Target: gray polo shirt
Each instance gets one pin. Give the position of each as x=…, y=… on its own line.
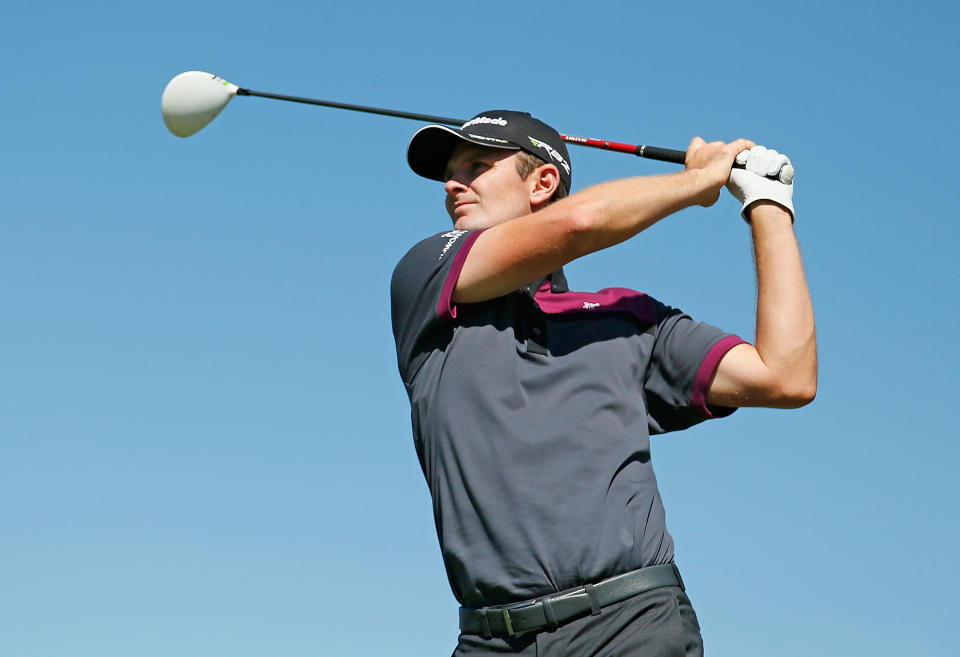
x=532, y=415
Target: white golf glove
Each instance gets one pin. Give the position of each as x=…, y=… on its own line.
x=751, y=184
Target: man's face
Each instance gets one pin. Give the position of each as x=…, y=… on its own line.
x=483, y=187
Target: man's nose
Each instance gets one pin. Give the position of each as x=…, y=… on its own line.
x=454, y=185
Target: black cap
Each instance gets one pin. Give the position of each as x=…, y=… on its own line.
x=431, y=146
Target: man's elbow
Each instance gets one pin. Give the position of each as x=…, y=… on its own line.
x=582, y=222
x=795, y=393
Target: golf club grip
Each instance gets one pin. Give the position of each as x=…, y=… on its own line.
x=662, y=154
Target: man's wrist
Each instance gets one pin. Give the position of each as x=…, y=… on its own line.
x=697, y=188
x=768, y=213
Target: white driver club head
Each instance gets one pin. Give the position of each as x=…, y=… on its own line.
x=193, y=99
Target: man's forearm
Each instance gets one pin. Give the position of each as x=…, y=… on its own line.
x=786, y=334
x=612, y=212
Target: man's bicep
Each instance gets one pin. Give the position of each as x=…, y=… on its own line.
x=742, y=379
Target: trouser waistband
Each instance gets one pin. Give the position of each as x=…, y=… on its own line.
x=552, y=610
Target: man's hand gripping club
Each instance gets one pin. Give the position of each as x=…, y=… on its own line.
x=767, y=175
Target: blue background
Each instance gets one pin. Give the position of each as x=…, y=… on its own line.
x=204, y=443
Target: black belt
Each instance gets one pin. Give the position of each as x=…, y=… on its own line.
x=550, y=611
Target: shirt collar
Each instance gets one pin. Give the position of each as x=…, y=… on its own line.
x=558, y=284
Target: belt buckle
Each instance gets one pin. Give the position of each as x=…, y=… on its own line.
x=508, y=623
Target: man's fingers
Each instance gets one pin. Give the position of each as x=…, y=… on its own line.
x=775, y=161
x=756, y=160
x=766, y=162
x=695, y=144
x=741, y=145
x=786, y=174
x=734, y=147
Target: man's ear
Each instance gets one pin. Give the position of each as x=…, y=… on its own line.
x=544, y=181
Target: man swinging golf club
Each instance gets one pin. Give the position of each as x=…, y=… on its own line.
x=532, y=405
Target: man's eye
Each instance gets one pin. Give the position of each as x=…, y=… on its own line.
x=475, y=168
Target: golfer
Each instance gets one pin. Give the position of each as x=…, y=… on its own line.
x=532, y=405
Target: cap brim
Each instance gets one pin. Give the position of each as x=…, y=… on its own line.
x=431, y=146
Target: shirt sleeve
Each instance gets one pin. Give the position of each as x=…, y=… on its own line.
x=420, y=296
x=685, y=356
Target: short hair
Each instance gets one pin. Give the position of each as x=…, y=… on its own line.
x=527, y=162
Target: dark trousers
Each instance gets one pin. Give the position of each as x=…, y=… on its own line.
x=658, y=623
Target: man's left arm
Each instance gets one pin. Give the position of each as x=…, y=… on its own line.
x=780, y=371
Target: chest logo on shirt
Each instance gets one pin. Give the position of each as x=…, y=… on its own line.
x=588, y=305
x=454, y=235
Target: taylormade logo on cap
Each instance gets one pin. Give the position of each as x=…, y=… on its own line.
x=484, y=119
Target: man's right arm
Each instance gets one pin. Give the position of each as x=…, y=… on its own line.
x=511, y=254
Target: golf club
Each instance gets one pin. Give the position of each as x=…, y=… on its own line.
x=193, y=99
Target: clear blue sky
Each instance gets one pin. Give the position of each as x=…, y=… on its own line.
x=204, y=443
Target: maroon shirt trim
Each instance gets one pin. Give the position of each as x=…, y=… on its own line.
x=445, y=307
x=608, y=299
x=702, y=382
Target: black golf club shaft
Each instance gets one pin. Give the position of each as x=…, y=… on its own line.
x=649, y=152
x=357, y=108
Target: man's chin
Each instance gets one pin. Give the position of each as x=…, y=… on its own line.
x=468, y=223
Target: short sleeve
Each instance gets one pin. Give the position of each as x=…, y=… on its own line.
x=685, y=356
x=420, y=294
